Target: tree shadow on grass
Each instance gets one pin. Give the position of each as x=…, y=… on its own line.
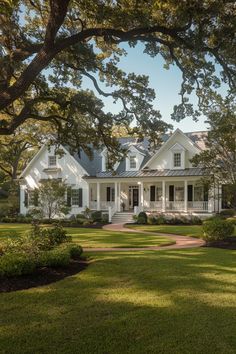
x=175, y=301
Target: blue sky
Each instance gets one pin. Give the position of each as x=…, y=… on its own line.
x=166, y=84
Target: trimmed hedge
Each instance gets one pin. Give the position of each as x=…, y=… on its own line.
x=142, y=218
x=16, y=265
x=19, y=264
x=217, y=229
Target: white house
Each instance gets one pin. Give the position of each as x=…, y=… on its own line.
x=161, y=181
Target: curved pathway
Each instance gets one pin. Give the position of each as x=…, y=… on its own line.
x=180, y=241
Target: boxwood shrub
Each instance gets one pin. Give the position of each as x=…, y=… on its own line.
x=142, y=218
x=217, y=229
x=16, y=264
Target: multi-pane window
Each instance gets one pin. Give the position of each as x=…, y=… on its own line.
x=133, y=161
x=52, y=160
x=177, y=159
x=75, y=197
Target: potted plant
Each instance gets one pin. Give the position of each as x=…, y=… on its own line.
x=123, y=206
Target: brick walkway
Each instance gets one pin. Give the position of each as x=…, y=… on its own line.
x=180, y=241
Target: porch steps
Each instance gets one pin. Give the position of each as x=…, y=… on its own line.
x=122, y=218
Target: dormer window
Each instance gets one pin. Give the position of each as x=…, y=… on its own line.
x=177, y=159
x=52, y=161
x=132, y=161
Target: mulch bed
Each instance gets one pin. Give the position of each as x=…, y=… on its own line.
x=42, y=276
x=229, y=243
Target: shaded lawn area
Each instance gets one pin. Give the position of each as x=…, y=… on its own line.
x=175, y=301
x=90, y=237
x=185, y=230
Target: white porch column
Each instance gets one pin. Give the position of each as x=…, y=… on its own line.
x=163, y=196
x=116, y=196
x=185, y=196
x=98, y=196
x=141, y=196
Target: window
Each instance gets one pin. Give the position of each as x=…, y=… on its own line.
x=110, y=194
x=177, y=159
x=179, y=194
x=76, y=197
x=52, y=160
x=132, y=162
x=33, y=198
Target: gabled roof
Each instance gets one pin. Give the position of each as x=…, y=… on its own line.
x=171, y=137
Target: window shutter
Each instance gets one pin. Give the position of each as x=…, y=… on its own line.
x=152, y=193
x=68, y=196
x=190, y=193
x=26, y=199
x=171, y=193
x=205, y=194
x=36, y=198
x=108, y=194
x=80, y=197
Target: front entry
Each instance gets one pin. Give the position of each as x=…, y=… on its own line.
x=133, y=196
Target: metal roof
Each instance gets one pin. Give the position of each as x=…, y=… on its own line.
x=153, y=173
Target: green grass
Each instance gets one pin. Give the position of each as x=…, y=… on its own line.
x=175, y=301
x=88, y=237
x=185, y=230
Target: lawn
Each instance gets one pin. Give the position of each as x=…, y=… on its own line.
x=185, y=230
x=175, y=301
x=88, y=237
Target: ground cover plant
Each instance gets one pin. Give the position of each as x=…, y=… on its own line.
x=170, y=301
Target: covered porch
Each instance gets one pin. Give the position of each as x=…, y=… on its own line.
x=166, y=195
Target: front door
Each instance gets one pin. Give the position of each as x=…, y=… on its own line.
x=135, y=197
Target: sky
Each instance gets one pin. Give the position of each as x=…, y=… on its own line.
x=166, y=84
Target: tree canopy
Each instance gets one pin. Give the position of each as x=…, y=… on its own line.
x=220, y=156
x=49, y=47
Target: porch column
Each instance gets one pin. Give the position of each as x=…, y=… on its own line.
x=163, y=196
x=98, y=196
x=185, y=196
x=116, y=196
x=141, y=195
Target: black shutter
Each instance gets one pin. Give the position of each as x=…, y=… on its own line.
x=80, y=197
x=171, y=193
x=152, y=193
x=108, y=194
x=68, y=196
x=26, y=199
x=205, y=193
x=36, y=198
x=190, y=193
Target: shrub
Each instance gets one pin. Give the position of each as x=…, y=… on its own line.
x=228, y=212
x=75, y=250
x=57, y=257
x=96, y=216
x=105, y=218
x=142, y=218
x=87, y=222
x=217, y=229
x=50, y=236
x=152, y=220
x=16, y=264
x=195, y=220
x=80, y=216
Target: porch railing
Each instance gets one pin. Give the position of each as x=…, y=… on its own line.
x=198, y=206
x=103, y=205
x=153, y=205
x=176, y=206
